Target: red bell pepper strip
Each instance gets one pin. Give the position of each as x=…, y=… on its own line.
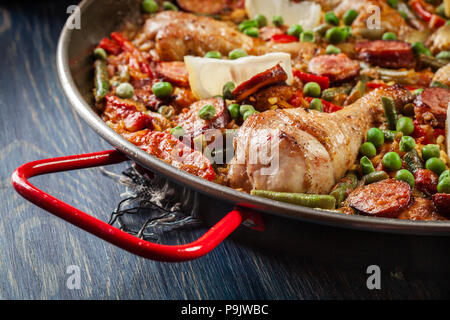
x=419, y=134
x=297, y=99
x=137, y=61
x=328, y=107
x=434, y=20
x=110, y=46
x=322, y=81
x=375, y=85
x=283, y=38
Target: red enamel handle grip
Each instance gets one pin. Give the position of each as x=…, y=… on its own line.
x=211, y=239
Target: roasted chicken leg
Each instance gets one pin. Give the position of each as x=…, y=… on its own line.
x=302, y=150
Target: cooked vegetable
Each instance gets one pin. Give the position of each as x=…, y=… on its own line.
x=237, y=53
x=375, y=136
x=389, y=36
x=234, y=111
x=350, y=16
x=413, y=161
x=375, y=177
x=332, y=49
x=125, y=90
x=305, y=200
x=149, y=6
x=389, y=135
x=248, y=114
x=392, y=161
x=248, y=24
x=407, y=143
x=252, y=32
x=430, y=151
x=347, y=184
x=316, y=104
x=167, y=5
x=101, y=80
x=177, y=131
x=436, y=165
x=100, y=53
x=312, y=89
x=390, y=112
x=227, y=90
x=213, y=55
x=405, y=175
x=434, y=63
x=443, y=175
x=166, y=111
x=444, y=185
x=262, y=20
x=277, y=21
x=246, y=108
x=207, y=112
x=331, y=18
x=336, y=35
x=162, y=89
x=368, y=149
x=307, y=36
x=295, y=30
x=405, y=125
x=366, y=165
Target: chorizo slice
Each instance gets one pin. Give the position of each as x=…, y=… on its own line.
x=193, y=125
x=386, y=53
x=203, y=6
x=442, y=203
x=266, y=78
x=426, y=181
x=431, y=106
x=337, y=67
x=421, y=210
x=386, y=198
x=174, y=72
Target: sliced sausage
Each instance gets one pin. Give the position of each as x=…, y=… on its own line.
x=426, y=181
x=442, y=203
x=421, y=210
x=386, y=198
x=126, y=114
x=266, y=78
x=431, y=106
x=203, y=6
x=193, y=125
x=337, y=67
x=174, y=72
x=386, y=53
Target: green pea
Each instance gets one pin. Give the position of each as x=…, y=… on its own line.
x=252, y=32
x=389, y=36
x=436, y=165
x=227, y=90
x=405, y=125
x=167, y=5
x=312, y=89
x=162, y=89
x=350, y=16
x=407, y=143
x=444, y=185
x=233, y=109
x=405, y=175
x=213, y=55
x=366, y=165
x=248, y=114
x=166, y=111
x=336, y=35
x=368, y=149
x=418, y=91
x=443, y=55
x=100, y=53
x=125, y=90
x=295, y=30
x=277, y=21
x=445, y=174
x=149, y=6
x=237, y=53
x=375, y=136
x=262, y=20
x=316, y=104
x=419, y=48
x=307, y=36
x=332, y=49
x=391, y=161
x=430, y=151
x=331, y=18
x=248, y=24
x=207, y=112
x=245, y=108
x=393, y=3
x=177, y=131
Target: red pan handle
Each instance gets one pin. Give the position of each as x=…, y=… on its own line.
x=211, y=239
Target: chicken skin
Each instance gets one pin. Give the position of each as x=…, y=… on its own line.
x=302, y=150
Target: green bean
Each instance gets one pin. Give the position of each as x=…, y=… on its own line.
x=432, y=62
x=347, y=183
x=413, y=161
x=101, y=80
x=306, y=200
x=439, y=85
x=390, y=112
x=330, y=93
x=375, y=177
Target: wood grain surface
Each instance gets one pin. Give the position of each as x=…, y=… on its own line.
x=37, y=248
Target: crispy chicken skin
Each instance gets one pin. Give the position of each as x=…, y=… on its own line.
x=177, y=34
x=309, y=150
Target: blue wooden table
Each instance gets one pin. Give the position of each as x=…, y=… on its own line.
x=38, y=251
